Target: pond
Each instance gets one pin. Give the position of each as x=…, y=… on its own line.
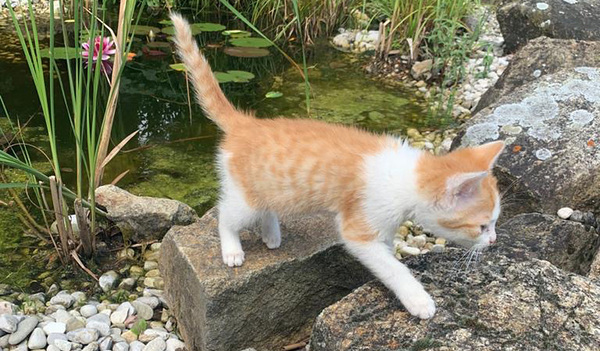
x=172, y=155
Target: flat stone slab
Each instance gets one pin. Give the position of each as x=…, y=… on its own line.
x=501, y=304
x=272, y=300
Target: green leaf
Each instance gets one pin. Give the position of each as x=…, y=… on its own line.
x=166, y=22
x=273, y=94
x=246, y=52
x=241, y=75
x=236, y=33
x=139, y=327
x=178, y=67
x=223, y=77
x=171, y=31
x=144, y=30
x=61, y=53
x=207, y=27
x=234, y=76
x=251, y=42
x=197, y=28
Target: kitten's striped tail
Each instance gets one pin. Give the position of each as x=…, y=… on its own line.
x=208, y=93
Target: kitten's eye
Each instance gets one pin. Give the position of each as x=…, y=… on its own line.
x=483, y=228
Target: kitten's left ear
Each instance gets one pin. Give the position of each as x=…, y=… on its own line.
x=489, y=153
x=463, y=187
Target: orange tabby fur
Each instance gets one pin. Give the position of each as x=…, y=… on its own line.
x=373, y=182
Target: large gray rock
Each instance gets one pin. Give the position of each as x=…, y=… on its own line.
x=568, y=245
x=547, y=107
x=521, y=21
x=271, y=300
x=143, y=218
x=501, y=304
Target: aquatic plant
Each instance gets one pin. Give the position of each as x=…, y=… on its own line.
x=303, y=70
x=407, y=24
x=90, y=113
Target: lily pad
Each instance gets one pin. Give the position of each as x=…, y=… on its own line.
x=236, y=33
x=251, y=42
x=166, y=22
x=241, y=76
x=61, y=53
x=234, y=76
x=197, y=28
x=239, y=51
x=223, y=77
x=178, y=67
x=144, y=30
x=171, y=31
x=207, y=27
x=273, y=94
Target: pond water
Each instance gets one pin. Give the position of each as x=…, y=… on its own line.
x=172, y=155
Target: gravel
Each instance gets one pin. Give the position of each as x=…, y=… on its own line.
x=71, y=321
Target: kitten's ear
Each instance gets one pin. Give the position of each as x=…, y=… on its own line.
x=463, y=187
x=490, y=152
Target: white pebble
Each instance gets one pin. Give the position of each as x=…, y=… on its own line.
x=413, y=251
x=419, y=240
x=88, y=310
x=63, y=345
x=55, y=327
x=157, y=344
x=136, y=346
x=175, y=345
x=37, y=339
x=565, y=212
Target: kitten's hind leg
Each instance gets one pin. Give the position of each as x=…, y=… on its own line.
x=234, y=215
x=271, y=233
x=379, y=259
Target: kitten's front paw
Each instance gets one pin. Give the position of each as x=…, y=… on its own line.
x=420, y=305
x=234, y=258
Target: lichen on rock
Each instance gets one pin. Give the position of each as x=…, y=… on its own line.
x=550, y=120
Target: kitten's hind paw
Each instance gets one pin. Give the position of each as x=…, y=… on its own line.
x=420, y=305
x=272, y=242
x=233, y=259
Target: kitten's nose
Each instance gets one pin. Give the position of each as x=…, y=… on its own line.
x=492, y=240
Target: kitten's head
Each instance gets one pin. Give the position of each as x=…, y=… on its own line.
x=461, y=198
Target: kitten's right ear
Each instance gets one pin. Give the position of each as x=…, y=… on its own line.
x=490, y=152
x=463, y=187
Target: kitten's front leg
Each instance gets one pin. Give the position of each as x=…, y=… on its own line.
x=378, y=257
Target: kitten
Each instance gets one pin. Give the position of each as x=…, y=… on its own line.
x=270, y=167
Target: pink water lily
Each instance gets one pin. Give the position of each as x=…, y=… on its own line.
x=103, y=48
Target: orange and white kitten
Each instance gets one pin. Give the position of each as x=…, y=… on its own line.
x=270, y=167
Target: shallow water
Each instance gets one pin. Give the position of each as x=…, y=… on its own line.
x=172, y=156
